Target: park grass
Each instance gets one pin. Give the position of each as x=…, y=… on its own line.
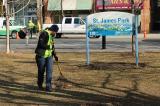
x=112, y=79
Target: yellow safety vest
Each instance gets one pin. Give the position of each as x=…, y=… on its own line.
x=31, y=25
x=48, y=52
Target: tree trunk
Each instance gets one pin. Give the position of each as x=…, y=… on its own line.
x=39, y=15
x=47, y=14
x=146, y=16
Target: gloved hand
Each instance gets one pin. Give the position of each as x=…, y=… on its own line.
x=56, y=58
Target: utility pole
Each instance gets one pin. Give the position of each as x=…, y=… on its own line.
x=7, y=26
x=103, y=37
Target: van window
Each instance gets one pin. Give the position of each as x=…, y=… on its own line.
x=4, y=23
x=76, y=21
x=68, y=20
x=82, y=22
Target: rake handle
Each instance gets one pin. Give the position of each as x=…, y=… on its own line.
x=59, y=68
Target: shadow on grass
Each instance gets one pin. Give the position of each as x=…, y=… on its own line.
x=28, y=99
x=133, y=96
x=32, y=62
x=155, y=41
x=29, y=62
x=99, y=98
x=112, y=65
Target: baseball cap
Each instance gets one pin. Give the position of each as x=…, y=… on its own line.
x=54, y=28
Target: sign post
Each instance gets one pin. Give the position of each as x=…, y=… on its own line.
x=87, y=45
x=103, y=37
x=110, y=24
x=133, y=34
x=136, y=37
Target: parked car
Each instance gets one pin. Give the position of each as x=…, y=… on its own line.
x=74, y=25
x=69, y=25
x=13, y=28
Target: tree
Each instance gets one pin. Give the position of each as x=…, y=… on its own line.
x=39, y=15
x=1, y=8
x=46, y=13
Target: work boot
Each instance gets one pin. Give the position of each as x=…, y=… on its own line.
x=40, y=88
x=49, y=89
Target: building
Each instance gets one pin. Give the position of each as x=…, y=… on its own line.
x=150, y=17
x=150, y=20
x=154, y=9
x=24, y=10
x=51, y=10
x=21, y=10
x=70, y=8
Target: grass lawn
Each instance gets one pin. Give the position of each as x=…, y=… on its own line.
x=112, y=79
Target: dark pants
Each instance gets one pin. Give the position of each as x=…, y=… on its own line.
x=31, y=32
x=44, y=64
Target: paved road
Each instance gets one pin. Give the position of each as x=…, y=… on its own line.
x=70, y=43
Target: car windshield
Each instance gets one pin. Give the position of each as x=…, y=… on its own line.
x=13, y=23
x=82, y=22
x=4, y=23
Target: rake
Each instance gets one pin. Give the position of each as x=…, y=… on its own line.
x=61, y=80
x=61, y=77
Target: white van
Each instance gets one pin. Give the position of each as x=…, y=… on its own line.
x=69, y=25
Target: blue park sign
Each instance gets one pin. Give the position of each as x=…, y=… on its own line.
x=111, y=23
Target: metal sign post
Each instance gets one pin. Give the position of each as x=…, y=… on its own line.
x=111, y=23
x=87, y=44
x=103, y=37
x=136, y=37
x=133, y=34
